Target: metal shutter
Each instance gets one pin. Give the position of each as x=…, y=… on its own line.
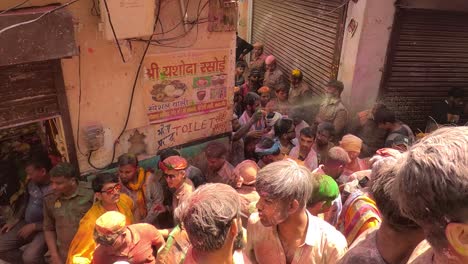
x=302, y=34
x=428, y=55
x=28, y=92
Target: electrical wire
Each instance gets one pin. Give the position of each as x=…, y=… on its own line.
x=137, y=74
x=38, y=18
x=158, y=42
x=194, y=23
x=13, y=7
x=113, y=32
x=332, y=11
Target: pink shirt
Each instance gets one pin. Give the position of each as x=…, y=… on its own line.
x=323, y=243
x=139, y=249
x=310, y=161
x=245, y=118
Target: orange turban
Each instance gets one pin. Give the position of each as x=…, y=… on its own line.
x=263, y=89
x=110, y=223
x=173, y=163
x=351, y=143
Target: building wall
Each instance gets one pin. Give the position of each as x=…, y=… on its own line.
x=364, y=54
x=106, y=81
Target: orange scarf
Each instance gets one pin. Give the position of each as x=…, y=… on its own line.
x=139, y=187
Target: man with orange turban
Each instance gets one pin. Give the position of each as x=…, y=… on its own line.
x=118, y=242
x=352, y=145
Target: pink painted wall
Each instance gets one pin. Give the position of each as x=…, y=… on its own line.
x=363, y=55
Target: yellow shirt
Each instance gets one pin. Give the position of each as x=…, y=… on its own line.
x=82, y=246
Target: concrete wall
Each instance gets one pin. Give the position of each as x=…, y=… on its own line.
x=363, y=55
x=106, y=81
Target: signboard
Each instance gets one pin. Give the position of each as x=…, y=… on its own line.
x=187, y=97
x=186, y=84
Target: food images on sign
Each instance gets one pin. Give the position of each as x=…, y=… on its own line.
x=168, y=91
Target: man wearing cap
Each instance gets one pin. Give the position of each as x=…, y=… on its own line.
x=64, y=209
x=352, y=145
x=269, y=150
x=273, y=76
x=332, y=109
x=117, y=242
x=173, y=169
x=258, y=57
x=264, y=93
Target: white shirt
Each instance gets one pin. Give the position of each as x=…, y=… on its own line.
x=323, y=243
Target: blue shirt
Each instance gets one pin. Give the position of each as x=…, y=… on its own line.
x=34, y=207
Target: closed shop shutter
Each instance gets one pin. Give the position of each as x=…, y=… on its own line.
x=428, y=56
x=302, y=34
x=28, y=93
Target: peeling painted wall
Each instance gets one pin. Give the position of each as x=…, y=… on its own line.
x=106, y=81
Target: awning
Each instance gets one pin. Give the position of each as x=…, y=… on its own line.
x=51, y=37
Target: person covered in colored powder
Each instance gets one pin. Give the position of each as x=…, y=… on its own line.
x=141, y=186
x=116, y=241
x=107, y=188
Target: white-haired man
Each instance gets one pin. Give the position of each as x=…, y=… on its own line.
x=431, y=188
x=283, y=231
x=212, y=220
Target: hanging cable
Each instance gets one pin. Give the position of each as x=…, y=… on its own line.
x=13, y=7
x=137, y=74
x=38, y=18
x=113, y=31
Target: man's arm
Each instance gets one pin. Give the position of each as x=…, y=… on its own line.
x=245, y=128
x=50, y=235
x=340, y=122
x=155, y=198
x=157, y=240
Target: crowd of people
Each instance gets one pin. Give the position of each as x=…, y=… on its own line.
x=295, y=185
